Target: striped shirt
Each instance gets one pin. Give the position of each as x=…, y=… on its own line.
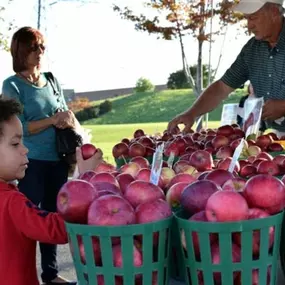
x=264, y=67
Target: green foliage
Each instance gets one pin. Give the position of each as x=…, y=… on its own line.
x=5, y=27
x=105, y=107
x=178, y=80
x=144, y=85
x=152, y=107
x=88, y=113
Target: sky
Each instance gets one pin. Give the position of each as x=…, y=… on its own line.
x=89, y=47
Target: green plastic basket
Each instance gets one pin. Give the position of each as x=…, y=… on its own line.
x=282, y=247
x=267, y=260
x=176, y=263
x=155, y=259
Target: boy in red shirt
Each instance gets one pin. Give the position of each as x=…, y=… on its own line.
x=22, y=224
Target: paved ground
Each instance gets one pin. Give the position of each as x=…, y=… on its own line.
x=66, y=267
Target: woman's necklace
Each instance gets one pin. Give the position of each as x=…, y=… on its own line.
x=36, y=83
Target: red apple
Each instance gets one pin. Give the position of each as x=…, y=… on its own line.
x=181, y=177
x=220, y=141
x=136, y=149
x=275, y=147
x=266, y=192
x=243, y=162
x=224, y=152
x=149, y=151
x=146, y=141
x=120, y=149
x=96, y=250
x=124, y=179
x=87, y=175
x=144, y=175
x=219, y=176
x=255, y=213
x=104, y=167
x=111, y=210
x=216, y=259
x=265, y=155
x=106, y=186
x=152, y=211
x=239, y=132
x=173, y=194
x=203, y=174
x=126, y=141
x=273, y=136
x=118, y=256
x=226, y=206
x=138, y=133
x=264, y=141
x=141, y=161
x=139, y=192
x=88, y=150
x=268, y=167
x=172, y=148
x=248, y=171
x=166, y=175
x=226, y=162
x=279, y=159
x=200, y=217
x=131, y=168
x=257, y=161
x=226, y=130
x=201, y=160
x=104, y=177
x=74, y=199
x=235, y=184
x=195, y=196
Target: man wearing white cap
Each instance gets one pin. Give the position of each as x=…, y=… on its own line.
x=261, y=61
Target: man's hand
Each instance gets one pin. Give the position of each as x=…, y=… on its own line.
x=90, y=163
x=273, y=110
x=183, y=118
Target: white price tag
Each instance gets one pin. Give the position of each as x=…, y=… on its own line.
x=171, y=159
x=236, y=156
x=252, y=115
x=157, y=164
x=229, y=114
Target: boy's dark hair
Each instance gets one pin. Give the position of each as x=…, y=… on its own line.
x=8, y=109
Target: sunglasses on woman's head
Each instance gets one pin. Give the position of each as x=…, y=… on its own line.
x=36, y=47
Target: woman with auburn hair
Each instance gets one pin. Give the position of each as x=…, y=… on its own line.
x=46, y=172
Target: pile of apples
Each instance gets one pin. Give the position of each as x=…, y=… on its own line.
x=213, y=198
x=221, y=142
x=107, y=197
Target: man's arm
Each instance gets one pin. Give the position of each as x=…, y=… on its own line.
x=35, y=223
x=209, y=99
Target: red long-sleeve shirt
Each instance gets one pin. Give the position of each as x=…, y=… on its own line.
x=22, y=224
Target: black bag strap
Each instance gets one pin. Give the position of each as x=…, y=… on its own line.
x=49, y=76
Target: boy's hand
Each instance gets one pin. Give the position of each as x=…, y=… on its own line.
x=90, y=163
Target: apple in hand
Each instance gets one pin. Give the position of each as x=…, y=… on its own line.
x=88, y=150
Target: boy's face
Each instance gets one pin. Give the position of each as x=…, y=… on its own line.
x=13, y=154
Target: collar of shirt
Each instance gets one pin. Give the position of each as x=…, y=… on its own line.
x=281, y=41
x=4, y=186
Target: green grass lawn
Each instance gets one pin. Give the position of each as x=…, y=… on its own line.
x=152, y=107
x=106, y=136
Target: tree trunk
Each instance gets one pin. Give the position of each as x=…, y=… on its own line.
x=186, y=68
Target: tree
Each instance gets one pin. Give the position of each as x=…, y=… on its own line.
x=4, y=28
x=178, y=80
x=176, y=19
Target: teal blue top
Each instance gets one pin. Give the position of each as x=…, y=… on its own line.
x=38, y=103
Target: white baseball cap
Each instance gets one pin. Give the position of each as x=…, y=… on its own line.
x=252, y=6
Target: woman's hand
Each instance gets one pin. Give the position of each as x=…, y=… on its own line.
x=65, y=120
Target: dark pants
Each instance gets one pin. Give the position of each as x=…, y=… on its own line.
x=41, y=184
